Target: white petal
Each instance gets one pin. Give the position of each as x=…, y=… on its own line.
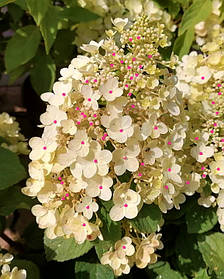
x=105, y=194
x=131, y=164
x=117, y=213
x=131, y=212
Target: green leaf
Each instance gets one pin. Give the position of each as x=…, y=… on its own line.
x=12, y=199
x=148, y=219
x=78, y=14
x=37, y=9
x=198, y=11
x=183, y=43
x=6, y=2
x=103, y=246
x=200, y=219
x=173, y=8
x=31, y=268
x=202, y=274
x=12, y=171
x=107, y=205
x=21, y=4
x=164, y=271
x=212, y=249
x=49, y=27
x=61, y=249
x=111, y=230
x=62, y=52
x=18, y=72
x=22, y=47
x=85, y=270
x=189, y=258
x=44, y=70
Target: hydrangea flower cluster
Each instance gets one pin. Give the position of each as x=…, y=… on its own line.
x=131, y=9
x=15, y=273
x=10, y=136
x=201, y=79
x=114, y=113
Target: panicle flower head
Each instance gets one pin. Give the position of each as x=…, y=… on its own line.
x=117, y=115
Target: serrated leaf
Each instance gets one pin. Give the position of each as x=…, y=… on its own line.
x=148, y=219
x=44, y=70
x=103, y=246
x=22, y=47
x=78, y=14
x=164, y=271
x=6, y=2
x=111, y=230
x=12, y=171
x=61, y=249
x=37, y=9
x=85, y=270
x=200, y=219
x=198, y=11
x=211, y=247
x=49, y=27
x=12, y=199
x=183, y=43
x=31, y=268
x=189, y=258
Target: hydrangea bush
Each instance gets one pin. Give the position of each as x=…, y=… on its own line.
x=130, y=161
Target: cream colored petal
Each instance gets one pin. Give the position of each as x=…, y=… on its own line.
x=89, y=170
x=104, y=156
x=132, y=164
x=120, y=168
x=131, y=212
x=92, y=191
x=105, y=194
x=38, y=210
x=117, y=213
x=130, y=250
